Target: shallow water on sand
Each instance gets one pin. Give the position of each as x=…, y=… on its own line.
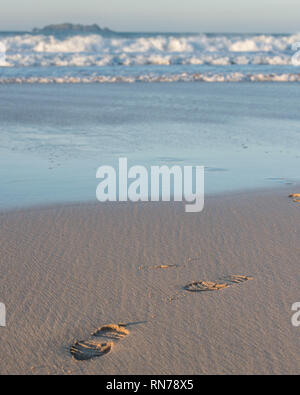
x=54, y=137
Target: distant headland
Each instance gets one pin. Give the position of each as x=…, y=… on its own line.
x=72, y=28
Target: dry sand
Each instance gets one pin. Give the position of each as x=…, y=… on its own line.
x=67, y=271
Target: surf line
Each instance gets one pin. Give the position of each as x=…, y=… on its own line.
x=186, y=183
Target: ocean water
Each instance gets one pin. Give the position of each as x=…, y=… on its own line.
x=155, y=57
x=53, y=137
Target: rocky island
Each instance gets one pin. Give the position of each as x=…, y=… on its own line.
x=71, y=28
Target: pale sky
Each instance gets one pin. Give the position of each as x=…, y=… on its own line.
x=156, y=15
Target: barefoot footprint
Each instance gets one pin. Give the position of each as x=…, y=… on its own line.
x=202, y=286
x=92, y=348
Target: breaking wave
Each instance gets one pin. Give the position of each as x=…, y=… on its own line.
x=268, y=56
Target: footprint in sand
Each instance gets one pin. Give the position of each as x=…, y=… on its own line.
x=85, y=350
x=199, y=286
x=158, y=267
x=112, y=331
x=237, y=279
x=202, y=286
x=295, y=197
x=164, y=266
x=92, y=348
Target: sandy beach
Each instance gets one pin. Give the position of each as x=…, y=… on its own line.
x=71, y=269
x=116, y=120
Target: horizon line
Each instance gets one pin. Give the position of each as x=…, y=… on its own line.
x=155, y=31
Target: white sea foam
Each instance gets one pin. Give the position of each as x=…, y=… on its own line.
x=182, y=77
x=86, y=60
x=238, y=57
x=33, y=50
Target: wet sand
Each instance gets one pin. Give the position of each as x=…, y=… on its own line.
x=163, y=277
